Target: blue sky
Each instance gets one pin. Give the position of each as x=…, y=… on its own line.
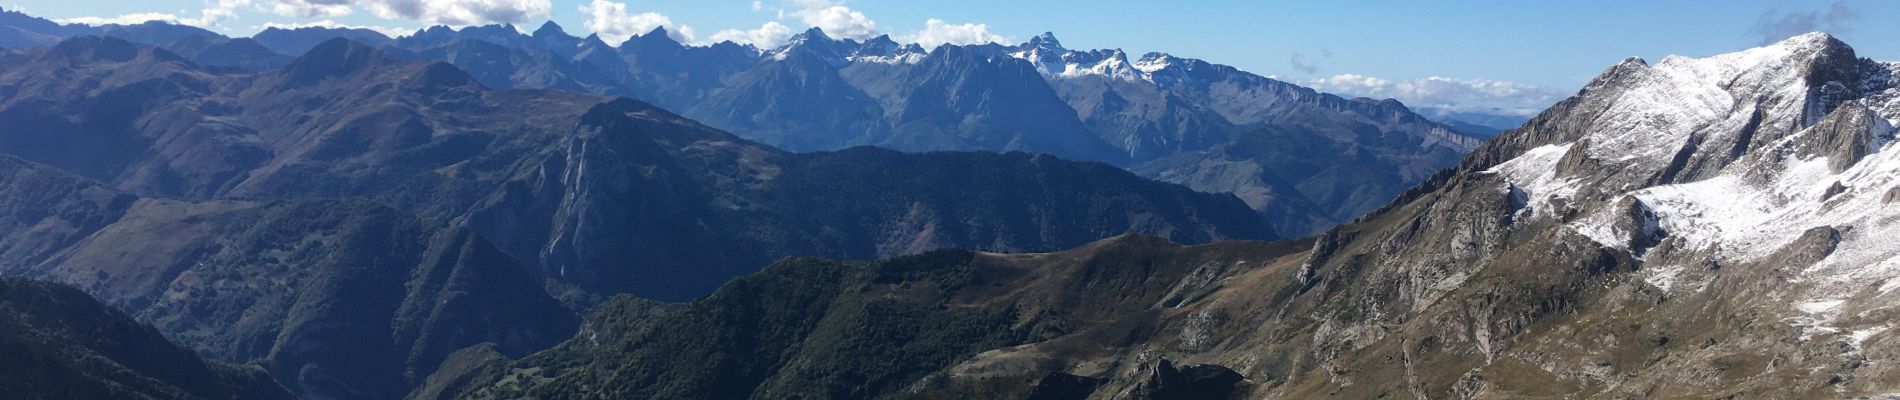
x=1497, y=51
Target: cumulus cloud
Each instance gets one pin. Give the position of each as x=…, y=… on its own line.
x=311, y=8
x=1447, y=94
x=211, y=15
x=1775, y=25
x=459, y=12
x=938, y=33
x=836, y=19
x=615, y=24
x=769, y=35
x=389, y=31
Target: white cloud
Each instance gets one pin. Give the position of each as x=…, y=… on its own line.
x=209, y=16
x=767, y=36
x=837, y=20
x=219, y=12
x=614, y=24
x=128, y=19
x=459, y=12
x=1447, y=94
x=938, y=33
x=758, y=5
x=311, y=8
x=389, y=31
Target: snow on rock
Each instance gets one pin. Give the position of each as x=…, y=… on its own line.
x=1761, y=196
x=1056, y=62
x=1535, y=172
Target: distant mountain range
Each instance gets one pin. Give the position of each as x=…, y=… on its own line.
x=1175, y=119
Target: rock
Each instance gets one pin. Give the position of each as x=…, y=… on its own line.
x=1812, y=247
x=1844, y=136
x=1162, y=381
x=1833, y=190
x=1640, y=223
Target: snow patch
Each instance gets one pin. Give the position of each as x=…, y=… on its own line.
x=1535, y=173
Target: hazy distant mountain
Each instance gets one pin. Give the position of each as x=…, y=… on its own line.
x=296, y=41
x=240, y=53
x=21, y=30
x=1484, y=131
x=1623, y=244
x=1497, y=121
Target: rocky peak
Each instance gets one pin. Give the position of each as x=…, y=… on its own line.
x=656, y=39
x=550, y=29
x=883, y=49
x=813, y=34
x=881, y=41
x=1047, y=40
x=813, y=37
x=1045, y=52
x=659, y=32
x=594, y=38
x=1729, y=156
x=816, y=43
x=1153, y=62
x=1619, y=75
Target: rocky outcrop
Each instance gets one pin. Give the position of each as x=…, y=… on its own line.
x=1844, y=136
x=1160, y=380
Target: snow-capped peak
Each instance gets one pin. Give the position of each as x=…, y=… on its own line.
x=815, y=41
x=1046, y=53
x=883, y=49
x=1780, y=156
x=1047, y=40
x=1109, y=63
x=1155, y=62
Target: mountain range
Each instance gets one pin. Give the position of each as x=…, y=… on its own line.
x=485, y=213
x=287, y=216
x=1175, y=119
x=1698, y=228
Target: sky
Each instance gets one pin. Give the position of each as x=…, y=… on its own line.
x=1511, y=57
